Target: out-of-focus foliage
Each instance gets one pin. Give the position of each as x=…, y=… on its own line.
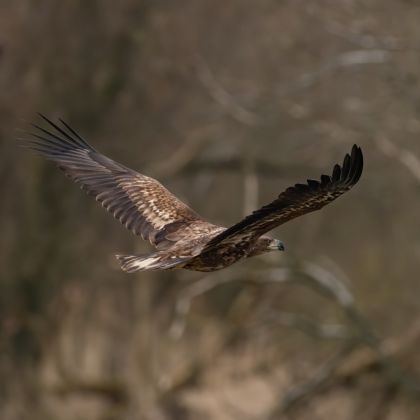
x=227, y=103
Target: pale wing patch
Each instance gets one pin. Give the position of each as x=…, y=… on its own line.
x=139, y=202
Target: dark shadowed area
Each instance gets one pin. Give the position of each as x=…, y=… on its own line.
x=227, y=103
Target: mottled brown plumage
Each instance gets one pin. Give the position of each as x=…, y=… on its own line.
x=183, y=239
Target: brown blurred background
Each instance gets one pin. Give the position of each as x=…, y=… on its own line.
x=227, y=103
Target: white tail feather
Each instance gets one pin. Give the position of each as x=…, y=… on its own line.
x=132, y=263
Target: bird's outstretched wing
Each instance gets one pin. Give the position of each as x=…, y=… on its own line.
x=140, y=203
x=294, y=202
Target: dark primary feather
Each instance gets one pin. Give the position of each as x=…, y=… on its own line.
x=140, y=203
x=294, y=202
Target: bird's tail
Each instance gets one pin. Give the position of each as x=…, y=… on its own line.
x=156, y=261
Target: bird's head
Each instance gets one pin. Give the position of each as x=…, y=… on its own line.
x=266, y=244
x=275, y=245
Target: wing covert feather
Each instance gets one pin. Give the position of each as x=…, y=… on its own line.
x=294, y=202
x=139, y=202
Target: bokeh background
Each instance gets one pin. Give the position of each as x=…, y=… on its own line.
x=227, y=103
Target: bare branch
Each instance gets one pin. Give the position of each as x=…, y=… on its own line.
x=404, y=156
x=347, y=59
x=250, y=187
x=357, y=333
x=328, y=283
x=311, y=328
x=313, y=385
x=396, y=348
x=183, y=156
x=209, y=282
x=183, y=304
x=362, y=40
x=235, y=164
x=114, y=391
x=221, y=96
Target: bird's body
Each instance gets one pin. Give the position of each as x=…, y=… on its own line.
x=182, y=238
x=226, y=256
x=191, y=255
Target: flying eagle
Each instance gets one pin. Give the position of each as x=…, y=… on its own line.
x=182, y=238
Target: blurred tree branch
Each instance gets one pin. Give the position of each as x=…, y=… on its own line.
x=331, y=65
x=384, y=354
x=314, y=384
x=183, y=156
x=356, y=37
x=251, y=186
x=406, y=157
x=234, y=164
x=357, y=333
x=334, y=63
x=310, y=327
x=220, y=95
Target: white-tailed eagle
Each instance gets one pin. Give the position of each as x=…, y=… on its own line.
x=182, y=238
